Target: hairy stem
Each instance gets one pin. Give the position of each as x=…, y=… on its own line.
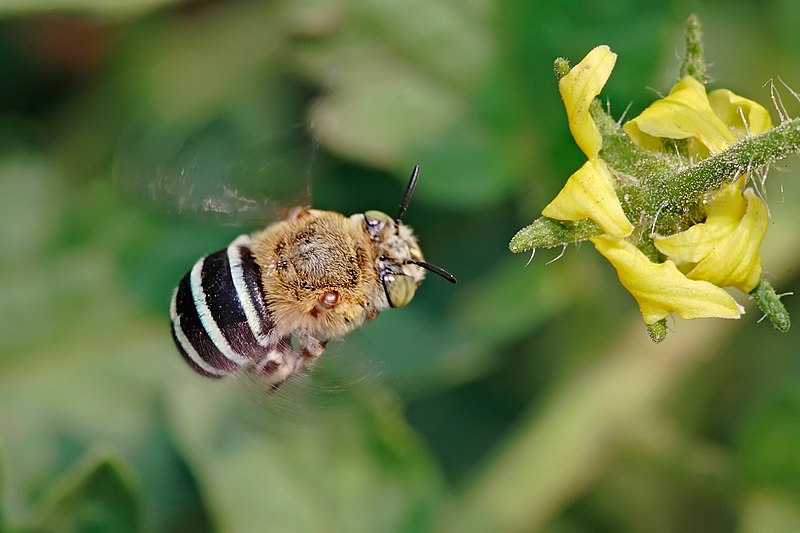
x=664, y=190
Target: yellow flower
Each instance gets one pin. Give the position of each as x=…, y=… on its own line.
x=660, y=288
x=712, y=121
x=684, y=113
x=734, y=110
x=724, y=248
x=589, y=193
x=722, y=251
x=578, y=89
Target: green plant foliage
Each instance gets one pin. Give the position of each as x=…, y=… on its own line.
x=342, y=461
x=138, y=135
x=116, y=8
x=96, y=495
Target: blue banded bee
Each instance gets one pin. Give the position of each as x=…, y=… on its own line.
x=304, y=280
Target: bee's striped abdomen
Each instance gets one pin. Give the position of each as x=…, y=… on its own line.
x=219, y=319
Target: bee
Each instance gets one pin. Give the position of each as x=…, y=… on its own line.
x=271, y=301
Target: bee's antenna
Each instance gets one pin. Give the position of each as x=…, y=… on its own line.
x=412, y=183
x=407, y=196
x=435, y=269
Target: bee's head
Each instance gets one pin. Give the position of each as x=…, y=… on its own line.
x=400, y=265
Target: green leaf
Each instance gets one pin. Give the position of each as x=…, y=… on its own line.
x=404, y=89
x=303, y=459
x=97, y=494
x=79, y=365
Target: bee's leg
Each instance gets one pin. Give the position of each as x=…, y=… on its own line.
x=311, y=348
x=279, y=364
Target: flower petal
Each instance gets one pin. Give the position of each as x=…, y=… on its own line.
x=578, y=90
x=735, y=260
x=694, y=244
x=725, y=208
x=660, y=288
x=724, y=248
x=589, y=193
x=683, y=114
x=734, y=110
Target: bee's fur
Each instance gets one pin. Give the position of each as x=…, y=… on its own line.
x=309, y=255
x=310, y=278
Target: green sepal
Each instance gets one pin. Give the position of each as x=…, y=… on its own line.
x=770, y=304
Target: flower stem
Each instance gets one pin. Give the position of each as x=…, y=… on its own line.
x=724, y=167
x=547, y=232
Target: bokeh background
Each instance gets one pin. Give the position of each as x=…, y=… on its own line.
x=525, y=398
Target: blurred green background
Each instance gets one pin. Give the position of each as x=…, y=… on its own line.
x=521, y=399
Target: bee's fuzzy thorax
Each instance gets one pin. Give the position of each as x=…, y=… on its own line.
x=309, y=255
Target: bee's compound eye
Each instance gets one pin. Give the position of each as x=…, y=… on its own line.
x=376, y=217
x=399, y=289
x=330, y=299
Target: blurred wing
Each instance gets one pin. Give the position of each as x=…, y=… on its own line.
x=222, y=167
